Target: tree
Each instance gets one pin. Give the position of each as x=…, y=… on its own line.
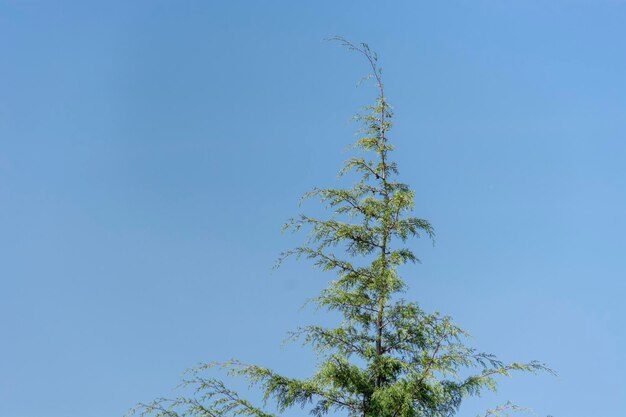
x=387, y=357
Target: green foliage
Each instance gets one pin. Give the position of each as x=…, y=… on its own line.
x=387, y=357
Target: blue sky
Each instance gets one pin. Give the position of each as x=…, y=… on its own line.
x=151, y=150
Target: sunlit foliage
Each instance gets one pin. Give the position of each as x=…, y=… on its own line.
x=387, y=357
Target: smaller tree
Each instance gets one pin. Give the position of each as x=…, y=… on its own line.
x=387, y=357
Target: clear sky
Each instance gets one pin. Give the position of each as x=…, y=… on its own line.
x=151, y=150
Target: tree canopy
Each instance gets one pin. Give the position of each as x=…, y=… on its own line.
x=387, y=357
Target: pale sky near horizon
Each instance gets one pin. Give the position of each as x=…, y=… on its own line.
x=151, y=150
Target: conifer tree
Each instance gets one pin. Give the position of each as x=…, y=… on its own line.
x=387, y=357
